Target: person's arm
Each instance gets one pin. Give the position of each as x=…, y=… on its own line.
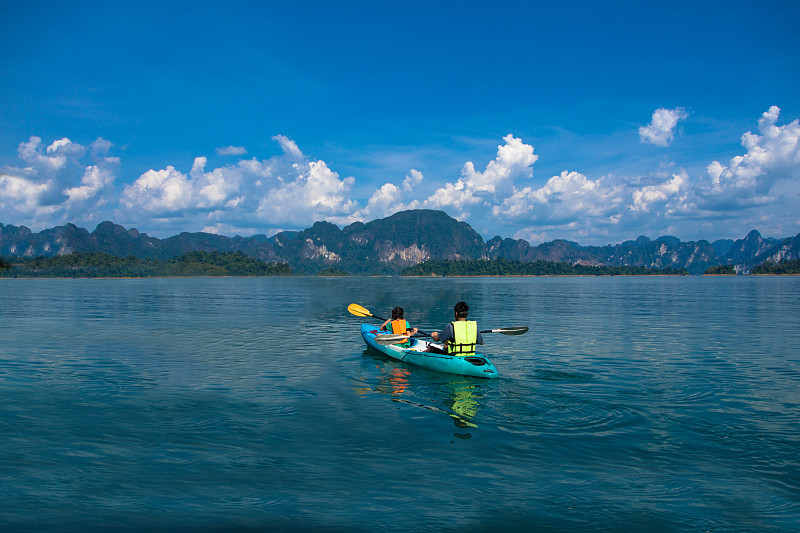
x=383, y=326
x=445, y=335
x=409, y=330
x=479, y=340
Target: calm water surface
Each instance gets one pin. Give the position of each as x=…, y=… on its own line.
x=661, y=404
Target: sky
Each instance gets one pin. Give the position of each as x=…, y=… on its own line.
x=594, y=122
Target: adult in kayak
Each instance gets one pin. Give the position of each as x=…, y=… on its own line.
x=461, y=335
x=399, y=325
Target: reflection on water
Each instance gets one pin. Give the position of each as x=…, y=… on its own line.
x=464, y=403
x=457, y=392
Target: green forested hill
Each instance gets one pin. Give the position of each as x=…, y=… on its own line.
x=388, y=245
x=505, y=267
x=103, y=265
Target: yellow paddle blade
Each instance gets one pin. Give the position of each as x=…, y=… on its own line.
x=358, y=310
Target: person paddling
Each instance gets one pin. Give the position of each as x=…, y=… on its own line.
x=459, y=336
x=400, y=326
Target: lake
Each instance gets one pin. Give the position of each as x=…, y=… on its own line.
x=633, y=403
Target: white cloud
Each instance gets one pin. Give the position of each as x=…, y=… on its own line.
x=383, y=202
x=216, y=188
x=289, y=147
x=19, y=193
x=661, y=129
x=291, y=190
x=756, y=189
x=669, y=196
x=51, y=163
x=231, y=150
x=101, y=147
x=95, y=180
x=514, y=160
x=286, y=190
x=161, y=192
x=55, y=186
x=388, y=199
x=774, y=155
x=315, y=193
x=413, y=178
x=563, y=197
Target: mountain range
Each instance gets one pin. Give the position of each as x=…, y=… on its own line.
x=388, y=245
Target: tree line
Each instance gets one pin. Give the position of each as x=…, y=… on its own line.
x=720, y=270
x=507, y=267
x=104, y=265
x=785, y=267
x=766, y=268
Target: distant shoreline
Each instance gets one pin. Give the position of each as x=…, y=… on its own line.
x=434, y=276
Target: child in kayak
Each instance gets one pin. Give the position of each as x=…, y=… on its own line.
x=400, y=326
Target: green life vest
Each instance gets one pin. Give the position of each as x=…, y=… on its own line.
x=465, y=333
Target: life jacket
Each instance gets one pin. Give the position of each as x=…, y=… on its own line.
x=399, y=326
x=465, y=333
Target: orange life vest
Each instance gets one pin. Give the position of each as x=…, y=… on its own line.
x=399, y=326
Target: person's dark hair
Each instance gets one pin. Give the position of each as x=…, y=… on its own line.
x=397, y=313
x=462, y=309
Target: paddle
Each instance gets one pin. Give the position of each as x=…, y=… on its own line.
x=364, y=312
x=519, y=330
x=391, y=338
x=358, y=310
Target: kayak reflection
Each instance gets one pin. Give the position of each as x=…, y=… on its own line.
x=464, y=402
x=461, y=403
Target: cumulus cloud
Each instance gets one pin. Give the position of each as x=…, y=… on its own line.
x=315, y=192
x=661, y=129
x=95, y=180
x=670, y=196
x=162, y=192
x=514, y=160
x=19, y=193
x=774, y=155
x=231, y=150
x=563, y=197
x=55, y=185
x=289, y=148
x=413, y=178
x=286, y=190
x=751, y=190
x=65, y=181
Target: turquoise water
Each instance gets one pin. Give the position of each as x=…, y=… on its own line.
x=661, y=404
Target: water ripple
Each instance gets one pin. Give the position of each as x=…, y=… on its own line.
x=632, y=404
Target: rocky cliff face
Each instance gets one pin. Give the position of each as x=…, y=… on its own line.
x=386, y=246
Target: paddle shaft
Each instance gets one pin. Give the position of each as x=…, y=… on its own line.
x=364, y=312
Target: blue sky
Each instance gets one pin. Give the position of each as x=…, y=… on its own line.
x=594, y=122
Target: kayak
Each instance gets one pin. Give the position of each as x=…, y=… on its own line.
x=473, y=365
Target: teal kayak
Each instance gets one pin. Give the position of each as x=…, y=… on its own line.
x=474, y=365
